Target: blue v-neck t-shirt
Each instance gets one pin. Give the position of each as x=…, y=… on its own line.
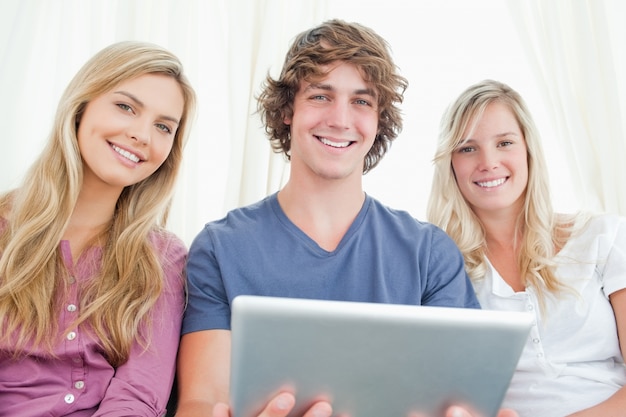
x=386, y=256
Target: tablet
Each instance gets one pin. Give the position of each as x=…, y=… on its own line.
x=369, y=359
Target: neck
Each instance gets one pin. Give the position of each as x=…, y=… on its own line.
x=324, y=212
x=500, y=225
x=503, y=239
x=501, y=232
x=91, y=216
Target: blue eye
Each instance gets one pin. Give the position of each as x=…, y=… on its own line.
x=124, y=106
x=163, y=128
x=363, y=102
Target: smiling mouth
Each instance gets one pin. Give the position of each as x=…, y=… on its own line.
x=334, y=144
x=128, y=155
x=491, y=184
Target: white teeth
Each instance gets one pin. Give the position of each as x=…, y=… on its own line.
x=334, y=144
x=126, y=154
x=494, y=183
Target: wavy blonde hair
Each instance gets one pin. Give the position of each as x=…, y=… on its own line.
x=542, y=232
x=332, y=41
x=116, y=303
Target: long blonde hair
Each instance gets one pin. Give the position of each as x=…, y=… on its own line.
x=116, y=303
x=540, y=229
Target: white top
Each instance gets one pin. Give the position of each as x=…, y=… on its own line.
x=572, y=358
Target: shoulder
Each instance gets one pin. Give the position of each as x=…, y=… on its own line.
x=401, y=229
x=599, y=224
x=171, y=253
x=402, y=219
x=611, y=227
x=607, y=221
x=167, y=245
x=597, y=233
x=252, y=213
x=239, y=229
x=243, y=220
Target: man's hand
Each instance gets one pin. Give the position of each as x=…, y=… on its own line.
x=280, y=406
x=283, y=403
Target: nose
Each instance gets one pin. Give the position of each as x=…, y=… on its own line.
x=339, y=115
x=140, y=131
x=488, y=160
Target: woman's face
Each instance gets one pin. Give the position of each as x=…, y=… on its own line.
x=125, y=135
x=491, y=165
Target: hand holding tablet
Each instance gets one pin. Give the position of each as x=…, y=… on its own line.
x=372, y=360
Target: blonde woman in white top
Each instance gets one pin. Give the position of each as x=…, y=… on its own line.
x=490, y=193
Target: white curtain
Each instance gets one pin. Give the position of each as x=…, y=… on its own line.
x=227, y=47
x=577, y=52
x=229, y=162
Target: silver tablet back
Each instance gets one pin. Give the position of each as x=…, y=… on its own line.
x=372, y=360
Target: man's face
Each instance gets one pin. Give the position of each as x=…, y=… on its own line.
x=334, y=124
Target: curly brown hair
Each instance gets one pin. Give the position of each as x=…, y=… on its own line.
x=335, y=40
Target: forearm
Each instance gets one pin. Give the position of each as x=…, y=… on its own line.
x=614, y=406
x=203, y=372
x=194, y=408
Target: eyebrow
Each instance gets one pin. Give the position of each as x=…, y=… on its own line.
x=498, y=136
x=501, y=135
x=328, y=87
x=142, y=105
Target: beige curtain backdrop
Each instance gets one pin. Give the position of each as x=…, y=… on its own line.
x=229, y=46
x=578, y=53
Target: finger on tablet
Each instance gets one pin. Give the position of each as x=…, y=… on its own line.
x=319, y=409
x=279, y=406
x=221, y=410
x=284, y=402
x=457, y=411
x=505, y=412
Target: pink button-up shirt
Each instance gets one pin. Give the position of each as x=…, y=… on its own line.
x=79, y=381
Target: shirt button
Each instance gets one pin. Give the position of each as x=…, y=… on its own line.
x=77, y=360
x=536, y=340
x=71, y=279
x=529, y=307
x=71, y=308
x=79, y=384
x=69, y=398
x=71, y=336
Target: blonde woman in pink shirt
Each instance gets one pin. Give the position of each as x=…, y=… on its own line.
x=91, y=284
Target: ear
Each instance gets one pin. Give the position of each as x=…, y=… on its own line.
x=287, y=120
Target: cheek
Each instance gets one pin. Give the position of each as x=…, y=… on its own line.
x=369, y=131
x=81, y=136
x=373, y=125
x=163, y=152
x=457, y=169
x=522, y=167
x=462, y=174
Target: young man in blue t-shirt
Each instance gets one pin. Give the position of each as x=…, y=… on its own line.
x=333, y=112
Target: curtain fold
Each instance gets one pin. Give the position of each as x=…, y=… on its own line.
x=227, y=48
x=228, y=161
x=577, y=53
